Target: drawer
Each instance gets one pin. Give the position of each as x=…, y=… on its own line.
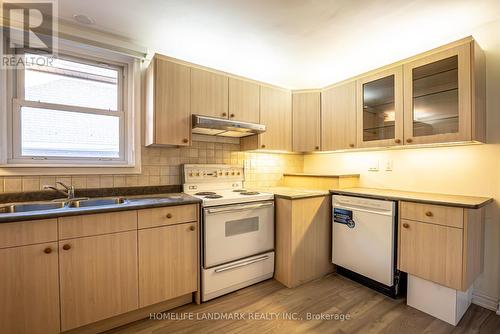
x=167, y=215
x=101, y=223
x=28, y=232
x=435, y=214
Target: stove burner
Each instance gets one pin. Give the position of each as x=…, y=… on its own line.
x=205, y=193
x=250, y=193
x=239, y=190
x=214, y=196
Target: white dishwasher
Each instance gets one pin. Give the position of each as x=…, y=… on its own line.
x=364, y=241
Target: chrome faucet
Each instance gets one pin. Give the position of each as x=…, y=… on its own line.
x=69, y=191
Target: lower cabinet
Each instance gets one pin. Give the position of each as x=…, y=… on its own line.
x=29, y=289
x=168, y=262
x=98, y=278
x=303, y=240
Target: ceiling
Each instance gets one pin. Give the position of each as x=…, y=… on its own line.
x=292, y=43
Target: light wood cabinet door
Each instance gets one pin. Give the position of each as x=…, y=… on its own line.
x=209, y=93
x=168, y=112
x=432, y=252
x=244, y=100
x=98, y=278
x=437, y=93
x=168, y=262
x=379, y=109
x=306, y=108
x=276, y=115
x=29, y=289
x=338, y=117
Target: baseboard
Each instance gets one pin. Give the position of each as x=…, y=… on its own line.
x=488, y=302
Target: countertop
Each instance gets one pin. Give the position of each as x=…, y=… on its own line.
x=133, y=203
x=321, y=175
x=293, y=193
x=470, y=202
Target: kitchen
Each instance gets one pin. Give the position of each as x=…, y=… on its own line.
x=167, y=167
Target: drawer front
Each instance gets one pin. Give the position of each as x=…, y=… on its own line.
x=102, y=223
x=167, y=215
x=28, y=232
x=435, y=214
x=431, y=252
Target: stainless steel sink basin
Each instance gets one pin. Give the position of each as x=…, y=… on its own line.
x=29, y=207
x=97, y=202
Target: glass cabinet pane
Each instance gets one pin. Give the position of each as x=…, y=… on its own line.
x=435, y=98
x=379, y=109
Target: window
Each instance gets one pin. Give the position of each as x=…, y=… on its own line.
x=69, y=111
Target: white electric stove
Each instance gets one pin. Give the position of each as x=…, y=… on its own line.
x=237, y=228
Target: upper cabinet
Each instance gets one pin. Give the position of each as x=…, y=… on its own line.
x=380, y=108
x=209, y=93
x=276, y=115
x=306, y=108
x=438, y=92
x=244, y=100
x=338, y=117
x=168, y=114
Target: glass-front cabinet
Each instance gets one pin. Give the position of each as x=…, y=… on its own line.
x=437, y=97
x=380, y=109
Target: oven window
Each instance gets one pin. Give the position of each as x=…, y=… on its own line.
x=242, y=226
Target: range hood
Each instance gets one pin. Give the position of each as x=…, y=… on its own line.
x=213, y=126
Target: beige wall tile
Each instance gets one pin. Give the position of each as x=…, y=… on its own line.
x=119, y=181
x=31, y=183
x=93, y=181
x=13, y=184
x=1, y=184
x=106, y=181
x=79, y=181
x=132, y=180
x=47, y=181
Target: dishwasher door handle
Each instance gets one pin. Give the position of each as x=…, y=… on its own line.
x=356, y=208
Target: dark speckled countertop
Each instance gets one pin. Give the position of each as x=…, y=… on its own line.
x=132, y=203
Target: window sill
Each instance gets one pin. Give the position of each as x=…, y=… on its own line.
x=25, y=170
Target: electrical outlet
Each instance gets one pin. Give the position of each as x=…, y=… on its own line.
x=389, y=165
x=373, y=166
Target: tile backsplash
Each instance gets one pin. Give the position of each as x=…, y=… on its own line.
x=162, y=166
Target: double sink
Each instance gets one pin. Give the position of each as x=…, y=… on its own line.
x=61, y=204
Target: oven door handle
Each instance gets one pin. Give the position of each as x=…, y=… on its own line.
x=240, y=207
x=243, y=264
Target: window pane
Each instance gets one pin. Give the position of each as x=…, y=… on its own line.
x=378, y=109
x=72, y=83
x=56, y=133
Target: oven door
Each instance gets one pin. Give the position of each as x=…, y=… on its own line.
x=236, y=231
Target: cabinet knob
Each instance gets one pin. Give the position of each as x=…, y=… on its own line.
x=224, y=114
x=192, y=228
x=47, y=250
x=67, y=247
x=397, y=141
x=185, y=140
x=351, y=145
x=429, y=214
x=263, y=146
x=406, y=225
x=232, y=115
x=169, y=215
x=317, y=147
x=409, y=140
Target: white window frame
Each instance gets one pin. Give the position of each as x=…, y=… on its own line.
x=128, y=112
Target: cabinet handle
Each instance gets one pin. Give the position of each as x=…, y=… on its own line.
x=409, y=140
x=406, y=225
x=224, y=114
x=429, y=214
x=263, y=146
x=232, y=115
x=397, y=141
x=192, y=228
x=169, y=215
x=47, y=250
x=351, y=145
x=67, y=247
x=185, y=140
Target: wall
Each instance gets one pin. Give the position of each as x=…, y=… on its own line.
x=471, y=170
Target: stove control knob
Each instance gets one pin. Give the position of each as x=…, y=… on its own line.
x=232, y=173
x=227, y=173
x=239, y=173
x=198, y=174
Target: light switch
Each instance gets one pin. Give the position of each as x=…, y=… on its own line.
x=388, y=165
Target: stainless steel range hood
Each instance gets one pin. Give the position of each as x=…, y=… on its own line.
x=213, y=126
